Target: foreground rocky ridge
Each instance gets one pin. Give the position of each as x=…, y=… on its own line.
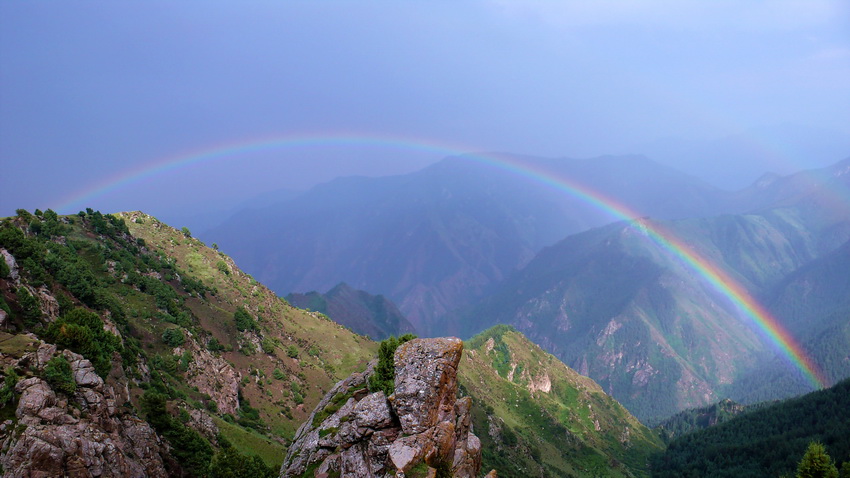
x=420, y=430
x=86, y=433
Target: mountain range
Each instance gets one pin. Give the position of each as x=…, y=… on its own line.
x=464, y=245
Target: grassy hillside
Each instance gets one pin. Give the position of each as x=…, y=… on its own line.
x=537, y=417
x=188, y=324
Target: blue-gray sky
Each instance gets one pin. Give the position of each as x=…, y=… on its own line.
x=91, y=90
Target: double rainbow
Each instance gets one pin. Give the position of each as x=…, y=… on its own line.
x=718, y=279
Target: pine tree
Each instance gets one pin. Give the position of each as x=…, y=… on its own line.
x=845, y=470
x=816, y=463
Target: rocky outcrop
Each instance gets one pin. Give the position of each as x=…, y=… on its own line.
x=420, y=430
x=87, y=434
x=213, y=376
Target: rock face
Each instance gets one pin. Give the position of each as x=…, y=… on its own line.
x=420, y=430
x=87, y=434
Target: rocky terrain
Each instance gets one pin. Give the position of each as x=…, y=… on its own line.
x=420, y=430
x=87, y=432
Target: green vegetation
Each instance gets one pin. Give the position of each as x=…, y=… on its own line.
x=384, y=376
x=82, y=331
x=243, y=320
x=229, y=463
x=173, y=337
x=816, y=463
x=537, y=417
x=58, y=374
x=192, y=451
x=7, y=391
x=769, y=441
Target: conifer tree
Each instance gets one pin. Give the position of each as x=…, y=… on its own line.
x=816, y=463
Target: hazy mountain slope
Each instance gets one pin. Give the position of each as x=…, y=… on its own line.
x=814, y=303
x=765, y=442
x=537, y=417
x=616, y=306
x=372, y=315
x=435, y=239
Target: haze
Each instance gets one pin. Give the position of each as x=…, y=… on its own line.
x=91, y=92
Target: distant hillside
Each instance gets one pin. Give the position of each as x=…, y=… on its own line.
x=619, y=308
x=766, y=442
x=364, y=313
x=695, y=419
x=538, y=418
x=434, y=240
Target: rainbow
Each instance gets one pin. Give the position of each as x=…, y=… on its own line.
x=719, y=280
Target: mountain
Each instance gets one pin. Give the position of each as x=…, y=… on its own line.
x=624, y=310
x=364, y=313
x=434, y=240
x=765, y=442
x=131, y=348
x=537, y=417
x=814, y=303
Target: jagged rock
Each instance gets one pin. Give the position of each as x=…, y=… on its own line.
x=214, y=377
x=203, y=423
x=48, y=304
x=14, y=274
x=354, y=433
x=426, y=382
x=77, y=436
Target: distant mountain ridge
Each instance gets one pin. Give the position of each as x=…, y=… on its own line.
x=433, y=240
x=617, y=307
x=364, y=313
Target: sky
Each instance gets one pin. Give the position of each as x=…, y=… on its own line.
x=94, y=94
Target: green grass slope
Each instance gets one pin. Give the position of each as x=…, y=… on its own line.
x=537, y=417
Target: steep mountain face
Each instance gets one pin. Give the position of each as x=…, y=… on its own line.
x=537, y=417
x=433, y=240
x=364, y=313
x=769, y=441
x=625, y=311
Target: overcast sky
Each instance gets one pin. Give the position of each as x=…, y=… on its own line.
x=90, y=91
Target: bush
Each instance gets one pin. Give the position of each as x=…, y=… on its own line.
x=243, y=320
x=82, y=331
x=7, y=391
x=173, y=337
x=384, y=376
x=292, y=351
x=58, y=374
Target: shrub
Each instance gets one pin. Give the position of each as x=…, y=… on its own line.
x=173, y=337
x=384, y=376
x=58, y=374
x=292, y=351
x=243, y=320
